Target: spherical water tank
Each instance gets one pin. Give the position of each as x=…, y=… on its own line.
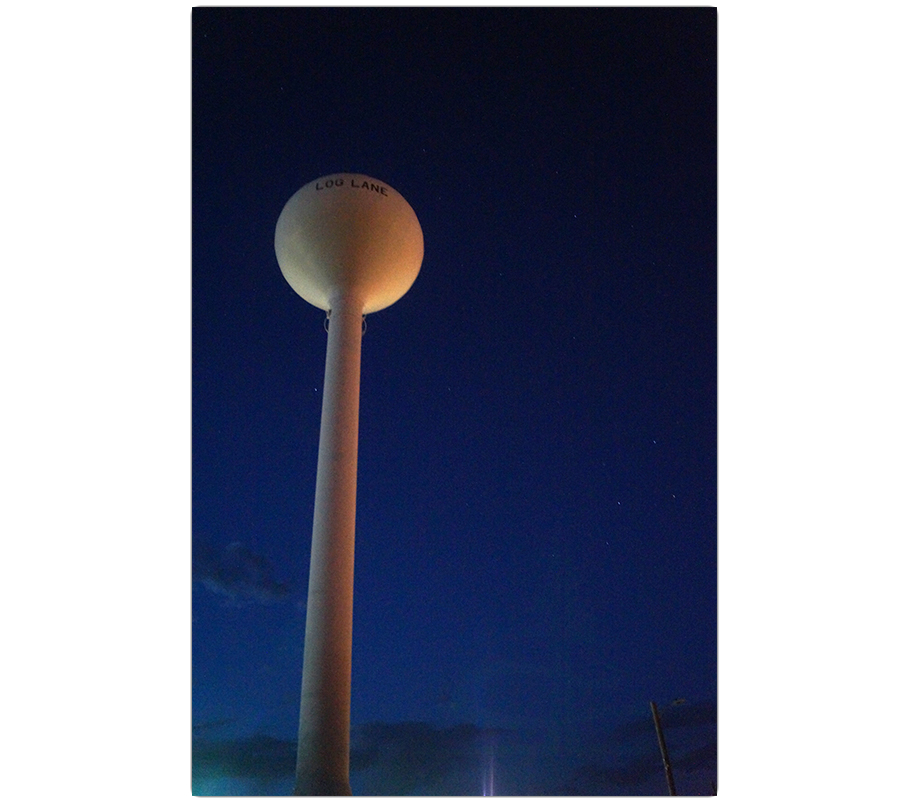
x=349, y=234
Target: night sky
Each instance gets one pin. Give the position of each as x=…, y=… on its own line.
x=631, y=436
x=536, y=543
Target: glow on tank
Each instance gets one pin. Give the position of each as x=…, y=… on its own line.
x=349, y=234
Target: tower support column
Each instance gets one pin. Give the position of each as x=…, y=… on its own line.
x=323, y=749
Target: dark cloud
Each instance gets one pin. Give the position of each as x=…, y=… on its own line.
x=212, y=726
x=413, y=758
x=632, y=773
x=690, y=736
x=259, y=757
x=397, y=759
x=643, y=768
x=237, y=574
x=703, y=757
x=678, y=715
x=389, y=759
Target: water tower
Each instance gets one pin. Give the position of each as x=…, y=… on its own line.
x=350, y=245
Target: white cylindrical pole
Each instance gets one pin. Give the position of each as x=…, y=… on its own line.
x=323, y=750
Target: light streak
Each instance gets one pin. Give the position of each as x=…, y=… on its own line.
x=487, y=788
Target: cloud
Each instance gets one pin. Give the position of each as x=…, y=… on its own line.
x=416, y=758
x=632, y=773
x=259, y=757
x=703, y=757
x=212, y=726
x=690, y=736
x=237, y=574
x=386, y=759
x=678, y=715
x=397, y=759
x=643, y=768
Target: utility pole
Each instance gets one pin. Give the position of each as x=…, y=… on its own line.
x=662, y=748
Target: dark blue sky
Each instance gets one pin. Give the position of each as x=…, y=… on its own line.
x=537, y=524
x=98, y=396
